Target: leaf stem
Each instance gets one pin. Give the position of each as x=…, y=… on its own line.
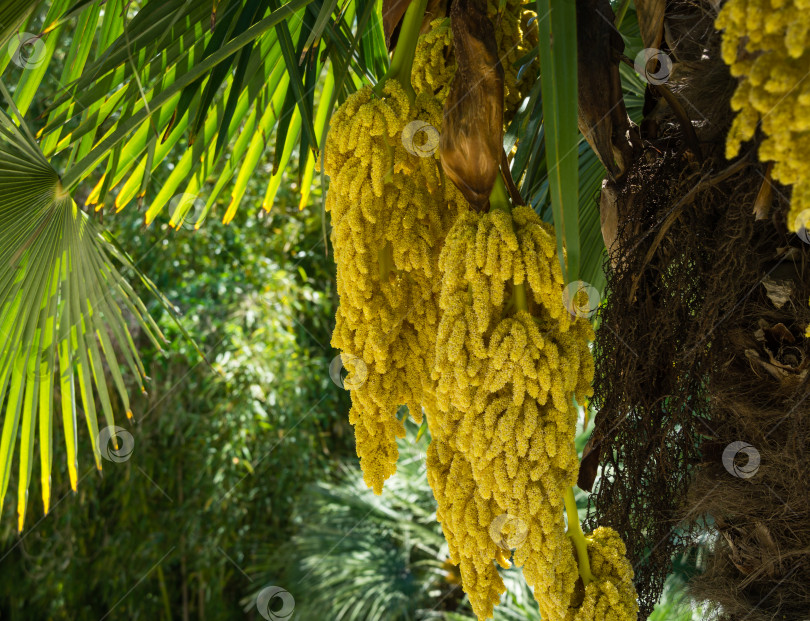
x=578, y=537
x=622, y=12
x=499, y=197
x=402, y=62
x=385, y=259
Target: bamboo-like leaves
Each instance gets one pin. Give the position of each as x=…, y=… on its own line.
x=64, y=308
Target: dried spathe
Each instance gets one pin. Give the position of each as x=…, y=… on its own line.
x=472, y=138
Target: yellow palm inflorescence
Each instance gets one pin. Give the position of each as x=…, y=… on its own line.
x=767, y=44
x=466, y=518
x=611, y=596
x=509, y=360
x=461, y=314
x=516, y=38
x=434, y=66
x=390, y=209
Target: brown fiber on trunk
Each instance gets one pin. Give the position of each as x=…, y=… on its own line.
x=701, y=345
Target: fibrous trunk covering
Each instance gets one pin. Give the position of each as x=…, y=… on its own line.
x=701, y=356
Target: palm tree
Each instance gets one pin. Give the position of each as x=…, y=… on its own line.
x=221, y=91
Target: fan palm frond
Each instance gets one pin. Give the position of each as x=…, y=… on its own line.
x=63, y=317
x=363, y=556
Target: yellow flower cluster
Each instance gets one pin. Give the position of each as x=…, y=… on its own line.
x=434, y=65
x=390, y=209
x=462, y=314
x=767, y=44
x=506, y=376
x=611, y=596
x=484, y=258
x=516, y=37
x=466, y=517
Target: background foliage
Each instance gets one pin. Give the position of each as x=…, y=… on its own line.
x=220, y=453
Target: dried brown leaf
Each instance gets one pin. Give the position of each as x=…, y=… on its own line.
x=392, y=12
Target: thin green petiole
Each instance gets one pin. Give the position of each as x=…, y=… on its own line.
x=499, y=199
x=402, y=62
x=578, y=537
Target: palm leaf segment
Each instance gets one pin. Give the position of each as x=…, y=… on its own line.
x=62, y=317
x=200, y=76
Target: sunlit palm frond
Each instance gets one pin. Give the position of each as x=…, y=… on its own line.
x=64, y=308
x=12, y=14
x=137, y=83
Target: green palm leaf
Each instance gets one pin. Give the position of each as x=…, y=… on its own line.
x=12, y=14
x=179, y=69
x=558, y=76
x=63, y=316
x=530, y=165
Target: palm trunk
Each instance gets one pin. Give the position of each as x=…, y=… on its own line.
x=701, y=355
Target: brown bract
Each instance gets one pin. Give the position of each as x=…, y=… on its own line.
x=392, y=12
x=472, y=138
x=602, y=115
